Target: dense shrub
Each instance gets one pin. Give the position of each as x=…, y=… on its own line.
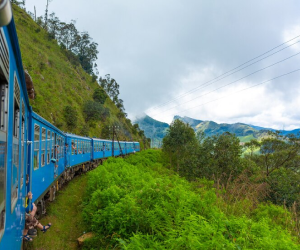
x=135, y=203
x=71, y=116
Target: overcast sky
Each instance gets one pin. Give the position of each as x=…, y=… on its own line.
x=159, y=50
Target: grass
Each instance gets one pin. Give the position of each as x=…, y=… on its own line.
x=65, y=214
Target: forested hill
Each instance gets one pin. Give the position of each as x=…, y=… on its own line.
x=65, y=92
x=156, y=130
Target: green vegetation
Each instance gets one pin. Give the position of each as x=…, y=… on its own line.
x=136, y=203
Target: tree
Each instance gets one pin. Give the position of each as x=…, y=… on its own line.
x=111, y=87
x=86, y=51
x=220, y=156
x=53, y=26
x=46, y=16
x=278, y=151
x=99, y=95
x=94, y=111
x=252, y=146
x=179, y=140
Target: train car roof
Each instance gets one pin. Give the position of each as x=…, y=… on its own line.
x=99, y=139
x=46, y=123
x=77, y=136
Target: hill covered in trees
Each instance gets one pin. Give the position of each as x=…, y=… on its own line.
x=154, y=130
x=157, y=130
x=67, y=91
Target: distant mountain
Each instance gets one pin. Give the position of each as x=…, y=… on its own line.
x=245, y=132
x=192, y=122
x=156, y=130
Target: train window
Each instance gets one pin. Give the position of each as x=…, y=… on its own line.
x=76, y=147
x=43, y=147
x=36, y=146
x=48, y=146
x=73, y=148
x=57, y=146
x=22, y=145
x=53, y=145
x=16, y=143
x=4, y=76
x=62, y=147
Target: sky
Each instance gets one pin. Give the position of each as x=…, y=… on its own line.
x=171, y=57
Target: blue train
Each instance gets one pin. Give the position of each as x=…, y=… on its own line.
x=34, y=155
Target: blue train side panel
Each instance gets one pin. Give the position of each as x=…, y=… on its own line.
x=79, y=150
x=13, y=140
x=47, y=155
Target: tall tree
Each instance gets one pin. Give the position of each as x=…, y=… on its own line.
x=178, y=141
x=110, y=86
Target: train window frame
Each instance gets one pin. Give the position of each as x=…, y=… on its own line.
x=4, y=81
x=15, y=165
x=43, y=147
x=48, y=146
x=36, y=150
x=23, y=156
x=73, y=150
x=53, y=156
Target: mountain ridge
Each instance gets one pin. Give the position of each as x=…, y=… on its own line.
x=244, y=131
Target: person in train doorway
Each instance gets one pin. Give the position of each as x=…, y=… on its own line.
x=31, y=222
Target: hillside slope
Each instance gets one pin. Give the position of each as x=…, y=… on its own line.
x=59, y=83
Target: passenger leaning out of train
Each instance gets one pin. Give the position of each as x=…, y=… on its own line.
x=74, y=147
x=31, y=222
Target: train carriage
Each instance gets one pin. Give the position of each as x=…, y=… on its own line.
x=79, y=150
x=14, y=116
x=47, y=156
x=98, y=146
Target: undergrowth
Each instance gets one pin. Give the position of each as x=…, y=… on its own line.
x=136, y=203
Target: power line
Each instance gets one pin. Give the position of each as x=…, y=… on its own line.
x=226, y=74
x=233, y=81
x=291, y=72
